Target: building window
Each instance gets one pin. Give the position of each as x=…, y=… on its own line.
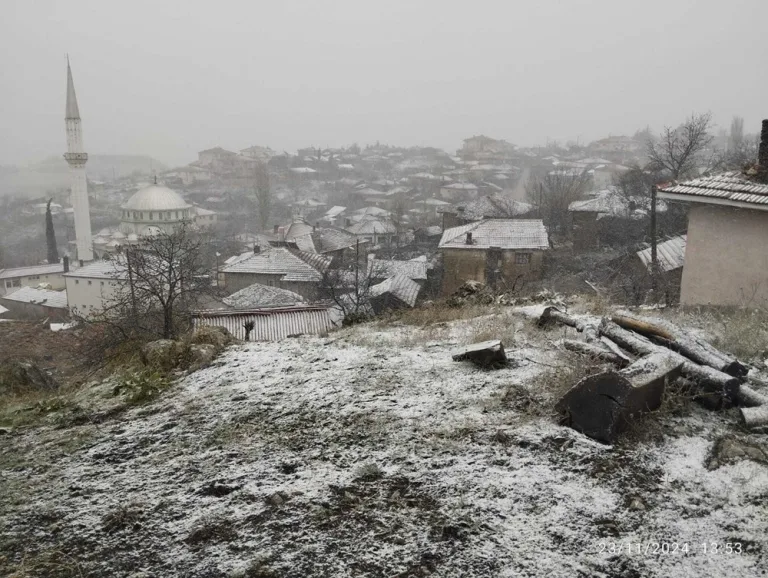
x=77, y=282
x=102, y=282
x=150, y=216
x=134, y=215
x=522, y=258
x=141, y=215
x=89, y=282
x=177, y=214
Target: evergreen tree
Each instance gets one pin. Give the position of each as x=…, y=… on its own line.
x=50, y=235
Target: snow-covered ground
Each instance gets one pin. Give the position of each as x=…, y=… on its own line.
x=371, y=453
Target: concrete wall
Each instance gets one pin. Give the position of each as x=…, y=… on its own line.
x=460, y=265
x=726, y=260
x=86, y=297
x=56, y=281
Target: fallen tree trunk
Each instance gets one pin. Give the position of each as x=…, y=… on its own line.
x=595, y=351
x=588, y=327
x=602, y=405
x=711, y=382
x=694, y=349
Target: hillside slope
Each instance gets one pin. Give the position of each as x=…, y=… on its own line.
x=371, y=453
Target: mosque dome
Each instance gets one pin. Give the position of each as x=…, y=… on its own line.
x=155, y=198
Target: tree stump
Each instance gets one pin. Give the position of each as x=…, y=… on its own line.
x=486, y=354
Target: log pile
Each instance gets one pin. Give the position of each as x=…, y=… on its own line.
x=649, y=355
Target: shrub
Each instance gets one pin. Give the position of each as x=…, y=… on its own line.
x=141, y=386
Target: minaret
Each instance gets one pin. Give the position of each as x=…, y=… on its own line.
x=77, y=158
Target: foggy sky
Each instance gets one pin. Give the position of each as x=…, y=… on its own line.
x=170, y=78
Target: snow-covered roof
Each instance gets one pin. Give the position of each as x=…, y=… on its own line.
x=14, y=272
x=99, y=270
x=281, y=261
x=381, y=268
x=670, y=254
x=303, y=170
x=325, y=240
x=501, y=233
x=494, y=206
x=34, y=296
x=334, y=211
x=372, y=227
x=155, y=198
x=400, y=286
x=258, y=295
x=732, y=188
x=461, y=187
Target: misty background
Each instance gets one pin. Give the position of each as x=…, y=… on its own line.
x=167, y=79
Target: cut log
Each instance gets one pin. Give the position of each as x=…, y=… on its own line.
x=754, y=417
x=748, y=397
x=485, y=354
x=711, y=382
x=602, y=405
x=595, y=351
x=694, y=349
x=615, y=349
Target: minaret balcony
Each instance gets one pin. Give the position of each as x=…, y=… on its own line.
x=76, y=158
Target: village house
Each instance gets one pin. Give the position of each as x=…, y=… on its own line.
x=13, y=278
x=498, y=252
x=381, y=269
x=396, y=292
x=375, y=232
x=33, y=303
x=725, y=260
x=280, y=267
x=337, y=244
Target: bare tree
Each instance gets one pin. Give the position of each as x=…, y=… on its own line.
x=263, y=192
x=159, y=282
x=677, y=150
x=741, y=150
x=349, y=286
x=551, y=194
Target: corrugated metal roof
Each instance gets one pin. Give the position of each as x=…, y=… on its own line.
x=502, y=233
x=670, y=254
x=400, y=286
x=33, y=270
x=269, y=324
x=731, y=187
x=34, y=296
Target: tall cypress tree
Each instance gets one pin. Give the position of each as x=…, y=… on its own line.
x=50, y=236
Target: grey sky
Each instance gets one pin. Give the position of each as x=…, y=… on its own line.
x=170, y=78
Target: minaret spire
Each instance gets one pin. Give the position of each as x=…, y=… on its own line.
x=72, y=110
x=77, y=157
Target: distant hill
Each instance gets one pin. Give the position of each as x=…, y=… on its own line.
x=52, y=173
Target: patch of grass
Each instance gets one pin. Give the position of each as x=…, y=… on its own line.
x=211, y=531
x=141, y=386
x=121, y=517
x=52, y=562
x=440, y=312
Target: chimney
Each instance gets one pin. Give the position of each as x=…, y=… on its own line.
x=276, y=229
x=469, y=238
x=281, y=234
x=66, y=264
x=347, y=222
x=762, y=153
x=256, y=249
x=81, y=262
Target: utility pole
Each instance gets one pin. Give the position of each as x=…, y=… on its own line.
x=654, y=257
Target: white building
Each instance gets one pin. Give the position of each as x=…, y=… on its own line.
x=17, y=277
x=91, y=288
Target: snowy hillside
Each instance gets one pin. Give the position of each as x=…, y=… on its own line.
x=371, y=453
